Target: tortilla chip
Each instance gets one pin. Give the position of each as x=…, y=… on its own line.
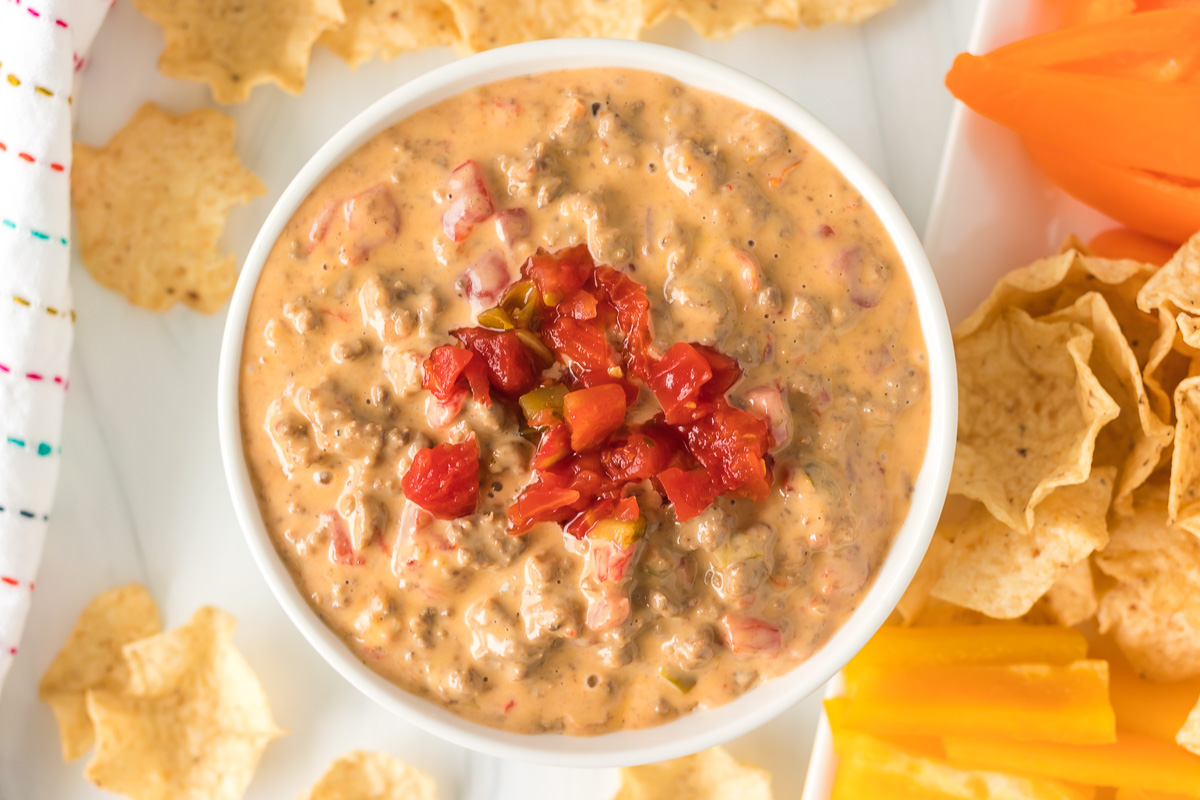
x=708, y=775
x=1057, y=282
x=391, y=27
x=150, y=206
x=191, y=723
x=1169, y=361
x=722, y=20
x=372, y=776
x=1177, y=283
x=1189, y=735
x=1072, y=599
x=485, y=25
x=91, y=659
x=1134, y=442
x=1029, y=412
x=1001, y=572
x=1153, y=609
x=234, y=46
x=1184, y=499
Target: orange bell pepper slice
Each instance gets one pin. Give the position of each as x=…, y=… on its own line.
x=1152, y=709
x=1156, y=205
x=1133, y=761
x=1051, y=703
x=972, y=644
x=1128, y=243
x=1030, y=87
x=835, y=712
x=1142, y=794
x=1085, y=12
x=872, y=769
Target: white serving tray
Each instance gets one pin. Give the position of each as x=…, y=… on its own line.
x=992, y=212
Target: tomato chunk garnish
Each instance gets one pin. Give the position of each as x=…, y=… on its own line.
x=510, y=369
x=557, y=275
x=447, y=368
x=538, y=503
x=553, y=448
x=581, y=343
x=676, y=380
x=690, y=492
x=444, y=480
x=732, y=444
x=593, y=414
x=643, y=454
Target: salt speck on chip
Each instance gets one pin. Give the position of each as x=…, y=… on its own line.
x=365, y=775
x=1029, y=412
x=151, y=204
x=234, y=45
x=91, y=658
x=191, y=722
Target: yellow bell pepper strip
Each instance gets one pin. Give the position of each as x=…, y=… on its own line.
x=871, y=769
x=1033, y=87
x=973, y=644
x=1052, y=703
x=1128, y=243
x=1132, y=762
x=835, y=713
x=1142, y=794
x=1158, y=710
x=1157, y=205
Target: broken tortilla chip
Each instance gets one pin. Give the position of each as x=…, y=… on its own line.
x=1001, y=572
x=151, y=204
x=1072, y=599
x=1153, y=610
x=1177, y=283
x=486, y=25
x=391, y=27
x=916, y=596
x=1029, y=412
x=1133, y=442
x=91, y=659
x=1184, y=499
x=191, y=723
x=707, y=775
x=372, y=776
x=234, y=46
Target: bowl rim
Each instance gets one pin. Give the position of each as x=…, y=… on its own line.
x=699, y=729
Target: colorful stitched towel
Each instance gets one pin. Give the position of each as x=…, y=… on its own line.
x=42, y=43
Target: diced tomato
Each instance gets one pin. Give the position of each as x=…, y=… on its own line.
x=628, y=297
x=449, y=366
x=485, y=281
x=627, y=510
x=676, y=380
x=689, y=492
x=581, y=343
x=601, y=508
x=725, y=371
x=732, y=444
x=769, y=402
x=553, y=448
x=580, y=304
x=610, y=561
x=540, y=503
x=589, y=378
x=444, y=480
x=341, y=551
x=643, y=454
x=441, y=413
x=593, y=415
x=512, y=225
x=559, y=274
x=746, y=634
x=470, y=202
x=509, y=366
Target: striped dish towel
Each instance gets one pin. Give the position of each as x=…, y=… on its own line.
x=42, y=43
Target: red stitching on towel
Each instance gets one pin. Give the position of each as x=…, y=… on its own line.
x=37, y=376
x=14, y=582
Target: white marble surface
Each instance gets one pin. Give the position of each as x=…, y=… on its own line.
x=142, y=496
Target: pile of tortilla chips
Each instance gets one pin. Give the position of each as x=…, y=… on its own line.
x=234, y=46
x=1076, y=485
x=173, y=716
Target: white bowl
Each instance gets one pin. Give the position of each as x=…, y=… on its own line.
x=700, y=729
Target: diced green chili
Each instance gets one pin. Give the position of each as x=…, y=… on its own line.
x=546, y=399
x=496, y=319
